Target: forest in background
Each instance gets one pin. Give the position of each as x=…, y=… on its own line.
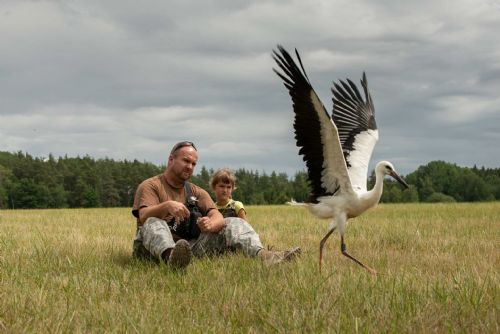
x=84, y=182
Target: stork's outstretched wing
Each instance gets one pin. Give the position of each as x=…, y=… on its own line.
x=315, y=132
x=355, y=121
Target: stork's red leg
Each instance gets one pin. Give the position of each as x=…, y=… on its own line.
x=321, y=244
x=343, y=248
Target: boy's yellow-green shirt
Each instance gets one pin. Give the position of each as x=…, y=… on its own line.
x=231, y=205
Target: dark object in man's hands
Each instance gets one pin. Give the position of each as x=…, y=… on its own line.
x=187, y=228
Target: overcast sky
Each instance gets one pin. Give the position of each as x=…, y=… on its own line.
x=127, y=79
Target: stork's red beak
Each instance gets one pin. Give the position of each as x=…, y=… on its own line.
x=399, y=179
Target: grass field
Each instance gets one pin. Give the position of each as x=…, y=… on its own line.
x=438, y=264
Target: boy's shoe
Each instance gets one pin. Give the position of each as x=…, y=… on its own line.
x=270, y=258
x=181, y=255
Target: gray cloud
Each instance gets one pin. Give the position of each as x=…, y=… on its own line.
x=126, y=80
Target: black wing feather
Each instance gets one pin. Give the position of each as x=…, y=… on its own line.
x=351, y=113
x=306, y=123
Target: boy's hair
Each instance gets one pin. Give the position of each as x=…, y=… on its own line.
x=223, y=175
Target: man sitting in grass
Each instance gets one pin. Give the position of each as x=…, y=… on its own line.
x=177, y=219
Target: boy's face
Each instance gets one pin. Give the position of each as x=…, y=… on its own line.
x=223, y=192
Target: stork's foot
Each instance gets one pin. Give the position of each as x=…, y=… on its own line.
x=369, y=269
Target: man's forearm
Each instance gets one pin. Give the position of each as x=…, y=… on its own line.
x=158, y=211
x=169, y=208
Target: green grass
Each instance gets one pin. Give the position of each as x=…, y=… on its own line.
x=438, y=264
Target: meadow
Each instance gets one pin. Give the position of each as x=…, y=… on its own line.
x=438, y=271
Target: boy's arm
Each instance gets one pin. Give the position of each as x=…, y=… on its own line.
x=242, y=214
x=240, y=210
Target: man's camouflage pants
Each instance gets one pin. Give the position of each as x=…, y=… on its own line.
x=154, y=237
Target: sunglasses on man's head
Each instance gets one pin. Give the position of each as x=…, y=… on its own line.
x=182, y=144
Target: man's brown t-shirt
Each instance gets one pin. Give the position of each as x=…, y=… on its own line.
x=156, y=190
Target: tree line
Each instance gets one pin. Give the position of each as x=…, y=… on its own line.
x=76, y=182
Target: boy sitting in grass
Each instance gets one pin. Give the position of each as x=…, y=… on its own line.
x=223, y=183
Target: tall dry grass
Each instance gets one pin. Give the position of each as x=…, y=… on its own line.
x=71, y=271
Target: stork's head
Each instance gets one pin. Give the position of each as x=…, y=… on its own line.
x=386, y=168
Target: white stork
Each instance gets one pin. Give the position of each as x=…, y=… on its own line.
x=336, y=149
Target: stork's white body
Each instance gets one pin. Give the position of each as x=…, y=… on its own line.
x=337, y=148
x=340, y=207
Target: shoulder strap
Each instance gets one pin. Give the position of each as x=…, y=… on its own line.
x=188, y=192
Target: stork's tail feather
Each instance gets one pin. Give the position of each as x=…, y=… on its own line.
x=292, y=202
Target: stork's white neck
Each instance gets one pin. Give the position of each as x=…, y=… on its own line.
x=373, y=196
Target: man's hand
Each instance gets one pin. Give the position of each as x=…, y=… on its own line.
x=205, y=224
x=178, y=210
